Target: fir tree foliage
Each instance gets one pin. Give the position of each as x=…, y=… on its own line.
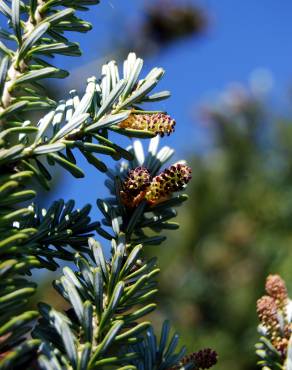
x=104, y=326
x=137, y=215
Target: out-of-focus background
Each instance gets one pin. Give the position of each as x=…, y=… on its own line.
x=229, y=68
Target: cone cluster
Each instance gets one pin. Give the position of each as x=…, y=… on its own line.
x=138, y=180
x=201, y=360
x=276, y=288
x=158, y=123
x=271, y=311
x=140, y=186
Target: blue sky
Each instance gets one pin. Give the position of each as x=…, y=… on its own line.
x=242, y=37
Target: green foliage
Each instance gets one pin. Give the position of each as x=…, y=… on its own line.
x=107, y=299
x=136, y=221
x=102, y=296
x=35, y=29
x=81, y=123
x=236, y=230
x=162, y=354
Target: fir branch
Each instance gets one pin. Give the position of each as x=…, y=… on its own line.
x=132, y=186
x=164, y=355
x=81, y=123
x=106, y=299
x=37, y=28
x=45, y=236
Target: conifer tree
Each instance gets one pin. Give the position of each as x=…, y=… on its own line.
x=104, y=326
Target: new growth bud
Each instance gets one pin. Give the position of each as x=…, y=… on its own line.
x=139, y=185
x=201, y=360
x=276, y=288
x=172, y=179
x=135, y=185
x=137, y=180
x=204, y=359
x=267, y=313
x=158, y=123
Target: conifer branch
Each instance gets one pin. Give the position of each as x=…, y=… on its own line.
x=37, y=29
x=108, y=298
